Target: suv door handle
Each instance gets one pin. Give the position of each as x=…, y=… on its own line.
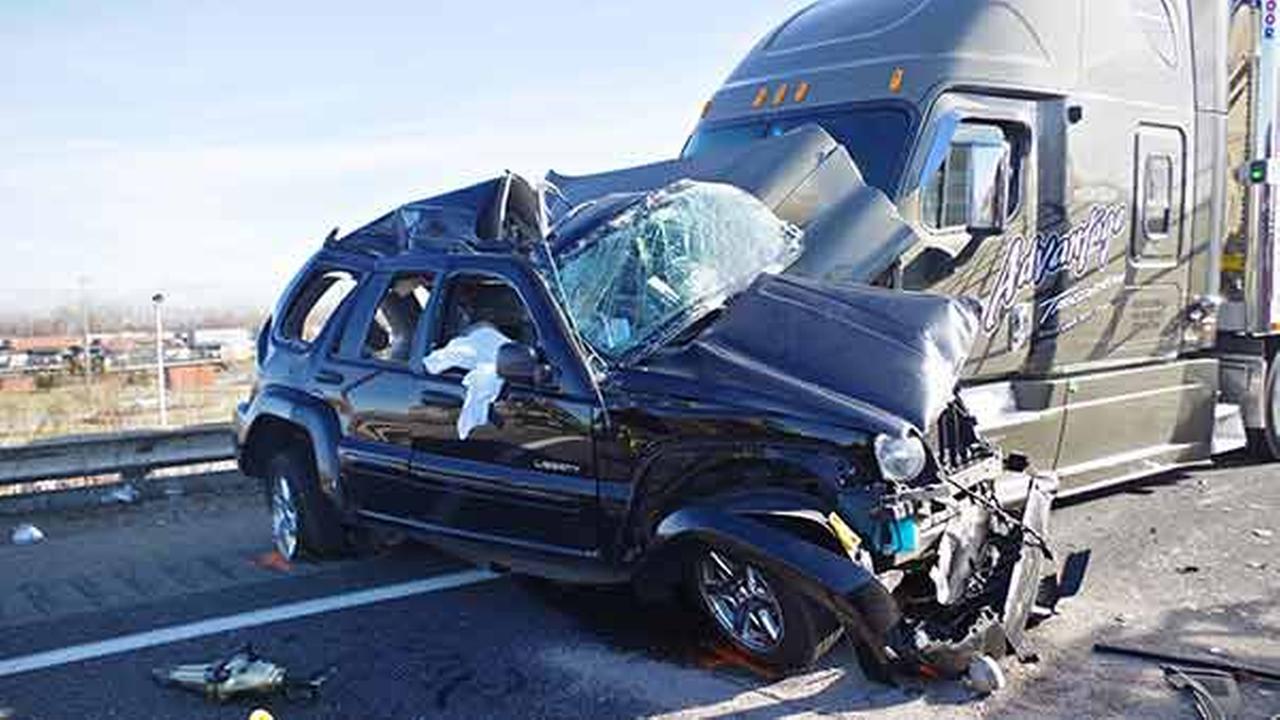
x=329, y=377
x=433, y=397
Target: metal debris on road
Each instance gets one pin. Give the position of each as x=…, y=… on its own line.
x=1215, y=692
x=985, y=675
x=1264, y=534
x=27, y=534
x=1216, y=661
x=1188, y=570
x=244, y=673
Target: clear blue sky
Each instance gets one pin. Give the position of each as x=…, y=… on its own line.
x=205, y=148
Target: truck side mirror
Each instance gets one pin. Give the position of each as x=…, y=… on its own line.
x=987, y=187
x=970, y=189
x=520, y=363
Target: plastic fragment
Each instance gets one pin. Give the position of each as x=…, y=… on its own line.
x=1264, y=534
x=27, y=534
x=126, y=494
x=985, y=675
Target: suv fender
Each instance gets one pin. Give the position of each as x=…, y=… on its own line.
x=849, y=590
x=278, y=411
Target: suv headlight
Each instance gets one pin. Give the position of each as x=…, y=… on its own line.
x=900, y=459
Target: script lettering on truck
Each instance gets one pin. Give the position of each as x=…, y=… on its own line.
x=1035, y=263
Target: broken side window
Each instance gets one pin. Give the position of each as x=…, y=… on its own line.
x=389, y=338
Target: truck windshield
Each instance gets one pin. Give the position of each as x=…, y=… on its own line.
x=666, y=261
x=876, y=138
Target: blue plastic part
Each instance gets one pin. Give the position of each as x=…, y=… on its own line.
x=903, y=536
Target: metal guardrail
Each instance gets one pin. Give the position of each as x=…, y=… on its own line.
x=132, y=454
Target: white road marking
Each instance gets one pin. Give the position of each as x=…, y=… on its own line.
x=253, y=618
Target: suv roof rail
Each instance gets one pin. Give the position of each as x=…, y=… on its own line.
x=499, y=215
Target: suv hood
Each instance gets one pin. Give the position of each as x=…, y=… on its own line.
x=875, y=357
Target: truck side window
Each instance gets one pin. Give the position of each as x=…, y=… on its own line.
x=480, y=299
x=391, y=331
x=979, y=181
x=315, y=304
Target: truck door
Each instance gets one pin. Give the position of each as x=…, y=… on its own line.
x=983, y=152
x=527, y=477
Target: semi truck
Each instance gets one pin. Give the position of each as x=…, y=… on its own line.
x=1100, y=174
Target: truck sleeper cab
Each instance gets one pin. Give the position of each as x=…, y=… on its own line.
x=1097, y=173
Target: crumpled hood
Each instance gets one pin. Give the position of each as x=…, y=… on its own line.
x=856, y=352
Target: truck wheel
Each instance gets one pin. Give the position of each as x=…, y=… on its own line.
x=1265, y=443
x=303, y=521
x=758, y=613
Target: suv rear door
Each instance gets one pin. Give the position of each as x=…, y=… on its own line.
x=527, y=477
x=371, y=381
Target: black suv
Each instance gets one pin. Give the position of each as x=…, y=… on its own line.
x=675, y=401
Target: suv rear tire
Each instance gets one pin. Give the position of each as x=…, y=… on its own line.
x=758, y=613
x=304, y=523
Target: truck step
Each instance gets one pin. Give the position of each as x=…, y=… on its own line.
x=1228, y=429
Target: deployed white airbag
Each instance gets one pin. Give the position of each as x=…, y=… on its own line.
x=476, y=351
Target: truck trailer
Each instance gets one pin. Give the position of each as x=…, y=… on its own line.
x=1100, y=174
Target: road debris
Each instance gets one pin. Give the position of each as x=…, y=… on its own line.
x=126, y=494
x=985, y=675
x=27, y=534
x=1188, y=570
x=1215, y=693
x=244, y=673
x=1216, y=661
x=1263, y=534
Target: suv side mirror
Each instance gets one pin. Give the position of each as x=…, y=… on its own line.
x=520, y=363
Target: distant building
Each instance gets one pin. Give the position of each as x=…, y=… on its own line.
x=230, y=344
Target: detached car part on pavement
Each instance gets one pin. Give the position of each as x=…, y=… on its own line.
x=688, y=400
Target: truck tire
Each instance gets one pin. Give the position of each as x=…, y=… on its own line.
x=1264, y=444
x=304, y=523
x=757, y=613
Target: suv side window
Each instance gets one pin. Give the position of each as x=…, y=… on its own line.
x=389, y=337
x=316, y=303
x=479, y=298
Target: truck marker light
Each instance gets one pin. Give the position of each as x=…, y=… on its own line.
x=706, y=108
x=1258, y=172
x=781, y=95
x=895, y=80
x=802, y=91
x=762, y=97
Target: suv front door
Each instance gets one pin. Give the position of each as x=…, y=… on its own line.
x=525, y=478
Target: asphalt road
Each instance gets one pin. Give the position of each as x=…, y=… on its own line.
x=1189, y=561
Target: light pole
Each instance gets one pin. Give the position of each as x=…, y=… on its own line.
x=158, y=301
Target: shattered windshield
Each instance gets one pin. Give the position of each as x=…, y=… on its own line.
x=667, y=260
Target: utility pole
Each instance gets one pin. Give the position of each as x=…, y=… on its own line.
x=85, y=359
x=158, y=301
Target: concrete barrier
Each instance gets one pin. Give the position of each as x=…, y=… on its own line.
x=132, y=454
